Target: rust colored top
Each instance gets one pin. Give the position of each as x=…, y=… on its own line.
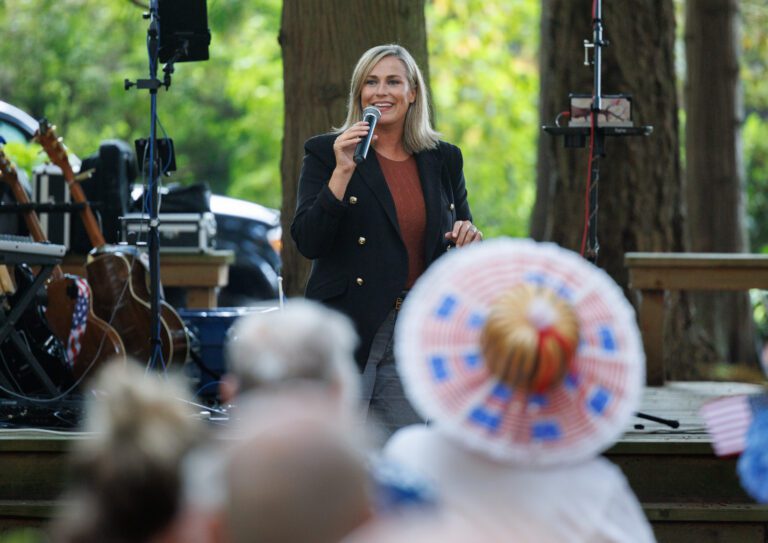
x=405, y=186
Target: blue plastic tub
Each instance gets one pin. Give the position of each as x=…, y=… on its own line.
x=208, y=329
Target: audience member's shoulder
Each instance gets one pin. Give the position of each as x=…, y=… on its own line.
x=408, y=439
x=398, y=487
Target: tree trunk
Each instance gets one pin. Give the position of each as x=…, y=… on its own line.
x=540, y=224
x=321, y=42
x=714, y=164
x=640, y=187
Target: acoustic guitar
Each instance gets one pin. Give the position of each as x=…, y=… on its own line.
x=99, y=342
x=118, y=276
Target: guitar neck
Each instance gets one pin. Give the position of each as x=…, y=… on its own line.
x=46, y=136
x=92, y=227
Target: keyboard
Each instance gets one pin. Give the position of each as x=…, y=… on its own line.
x=18, y=249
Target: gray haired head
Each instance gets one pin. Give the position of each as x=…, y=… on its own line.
x=304, y=342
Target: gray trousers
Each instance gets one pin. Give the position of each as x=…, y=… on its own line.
x=383, y=397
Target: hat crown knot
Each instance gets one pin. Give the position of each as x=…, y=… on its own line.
x=530, y=338
x=541, y=313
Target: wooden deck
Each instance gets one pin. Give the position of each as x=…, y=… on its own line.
x=688, y=494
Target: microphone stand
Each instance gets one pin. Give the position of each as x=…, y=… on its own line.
x=576, y=136
x=596, y=150
x=153, y=84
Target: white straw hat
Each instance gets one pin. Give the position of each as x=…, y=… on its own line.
x=470, y=364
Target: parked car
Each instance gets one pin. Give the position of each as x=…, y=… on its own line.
x=15, y=124
x=254, y=233
x=249, y=229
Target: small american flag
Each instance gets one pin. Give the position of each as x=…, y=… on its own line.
x=79, y=318
x=727, y=420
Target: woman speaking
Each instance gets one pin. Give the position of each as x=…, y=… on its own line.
x=372, y=228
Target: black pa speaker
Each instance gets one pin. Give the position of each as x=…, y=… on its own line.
x=184, y=33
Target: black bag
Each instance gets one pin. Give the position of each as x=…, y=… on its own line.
x=187, y=199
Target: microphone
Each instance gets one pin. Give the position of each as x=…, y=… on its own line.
x=371, y=114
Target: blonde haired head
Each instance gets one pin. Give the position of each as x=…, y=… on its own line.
x=418, y=133
x=530, y=338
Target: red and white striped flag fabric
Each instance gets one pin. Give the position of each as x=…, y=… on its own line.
x=727, y=420
x=79, y=320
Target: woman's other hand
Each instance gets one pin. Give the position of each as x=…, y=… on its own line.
x=463, y=233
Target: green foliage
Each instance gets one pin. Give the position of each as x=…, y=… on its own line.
x=256, y=86
x=23, y=535
x=484, y=79
x=67, y=59
x=59, y=62
x=24, y=156
x=754, y=64
x=756, y=165
x=754, y=55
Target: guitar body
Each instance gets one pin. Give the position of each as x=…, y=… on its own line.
x=118, y=278
x=46, y=348
x=100, y=341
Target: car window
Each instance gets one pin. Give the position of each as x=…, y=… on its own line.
x=11, y=133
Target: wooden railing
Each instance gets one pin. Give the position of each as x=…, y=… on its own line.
x=655, y=274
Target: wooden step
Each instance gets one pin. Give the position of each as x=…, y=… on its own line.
x=678, y=470
x=688, y=494
x=15, y=514
x=708, y=523
x=678, y=465
x=34, y=464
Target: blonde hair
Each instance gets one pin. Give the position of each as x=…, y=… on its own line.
x=418, y=133
x=530, y=338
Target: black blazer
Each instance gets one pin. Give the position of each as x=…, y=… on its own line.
x=360, y=263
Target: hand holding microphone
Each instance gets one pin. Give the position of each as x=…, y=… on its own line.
x=371, y=115
x=358, y=136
